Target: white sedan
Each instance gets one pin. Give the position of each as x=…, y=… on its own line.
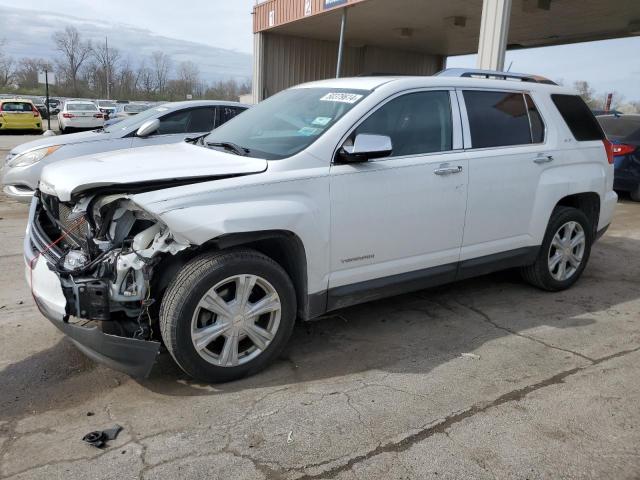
x=79, y=115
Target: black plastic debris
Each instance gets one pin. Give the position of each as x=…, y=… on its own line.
x=99, y=438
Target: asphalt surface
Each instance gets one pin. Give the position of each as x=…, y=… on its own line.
x=486, y=378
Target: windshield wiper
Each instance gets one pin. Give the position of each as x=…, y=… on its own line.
x=237, y=149
x=196, y=140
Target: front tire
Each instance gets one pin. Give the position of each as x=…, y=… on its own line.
x=228, y=315
x=564, y=252
x=635, y=194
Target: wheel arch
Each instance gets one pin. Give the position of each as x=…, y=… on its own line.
x=588, y=203
x=282, y=246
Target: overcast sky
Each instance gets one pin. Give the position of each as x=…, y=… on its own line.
x=219, y=23
x=608, y=65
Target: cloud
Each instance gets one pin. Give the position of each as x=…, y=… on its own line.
x=29, y=33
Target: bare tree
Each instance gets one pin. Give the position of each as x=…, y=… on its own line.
x=161, y=65
x=188, y=79
x=145, y=80
x=6, y=67
x=75, y=52
x=587, y=93
x=26, y=74
x=107, y=60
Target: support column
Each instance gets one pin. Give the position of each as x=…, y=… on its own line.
x=257, y=86
x=494, y=32
x=343, y=26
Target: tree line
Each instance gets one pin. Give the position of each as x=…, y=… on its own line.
x=94, y=70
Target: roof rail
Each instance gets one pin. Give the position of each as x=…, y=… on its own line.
x=493, y=74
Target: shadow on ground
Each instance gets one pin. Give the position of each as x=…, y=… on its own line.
x=412, y=333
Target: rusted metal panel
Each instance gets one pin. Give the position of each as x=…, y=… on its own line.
x=273, y=13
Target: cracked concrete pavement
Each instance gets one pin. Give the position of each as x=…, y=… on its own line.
x=380, y=390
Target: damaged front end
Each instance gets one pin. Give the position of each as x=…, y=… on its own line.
x=91, y=265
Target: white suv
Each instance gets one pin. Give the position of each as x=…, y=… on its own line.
x=323, y=196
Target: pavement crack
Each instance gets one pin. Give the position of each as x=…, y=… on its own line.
x=444, y=425
x=493, y=323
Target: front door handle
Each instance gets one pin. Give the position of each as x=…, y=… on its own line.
x=543, y=159
x=447, y=170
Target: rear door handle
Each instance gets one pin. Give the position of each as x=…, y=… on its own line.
x=447, y=170
x=543, y=159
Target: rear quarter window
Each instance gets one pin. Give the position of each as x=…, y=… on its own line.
x=578, y=117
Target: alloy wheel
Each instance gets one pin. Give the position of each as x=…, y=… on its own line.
x=236, y=320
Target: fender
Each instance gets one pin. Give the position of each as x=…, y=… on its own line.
x=562, y=181
x=216, y=211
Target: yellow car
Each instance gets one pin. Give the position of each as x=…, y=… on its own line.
x=19, y=114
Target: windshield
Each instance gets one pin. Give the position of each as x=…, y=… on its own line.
x=136, y=120
x=107, y=104
x=81, y=107
x=624, y=128
x=16, y=107
x=288, y=122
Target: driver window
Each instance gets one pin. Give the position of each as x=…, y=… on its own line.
x=417, y=123
x=175, y=122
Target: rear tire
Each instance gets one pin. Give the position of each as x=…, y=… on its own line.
x=564, y=253
x=228, y=314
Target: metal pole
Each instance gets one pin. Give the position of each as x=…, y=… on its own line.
x=106, y=46
x=343, y=26
x=46, y=92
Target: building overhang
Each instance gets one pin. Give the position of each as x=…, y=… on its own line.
x=448, y=27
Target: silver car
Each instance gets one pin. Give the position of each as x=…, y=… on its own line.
x=167, y=123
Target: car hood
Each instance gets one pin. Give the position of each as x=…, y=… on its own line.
x=178, y=162
x=80, y=137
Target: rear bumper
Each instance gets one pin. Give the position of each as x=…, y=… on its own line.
x=35, y=126
x=129, y=355
x=626, y=183
x=607, y=208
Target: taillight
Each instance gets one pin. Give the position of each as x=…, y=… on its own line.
x=36, y=113
x=98, y=115
x=67, y=115
x=622, y=149
x=608, y=146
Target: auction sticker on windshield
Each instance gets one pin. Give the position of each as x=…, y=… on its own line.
x=322, y=121
x=341, y=97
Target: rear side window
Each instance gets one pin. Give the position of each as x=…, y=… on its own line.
x=16, y=107
x=417, y=123
x=227, y=113
x=497, y=119
x=578, y=117
x=201, y=120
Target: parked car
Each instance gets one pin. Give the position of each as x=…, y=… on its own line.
x=124, y=110
x=107, y=107
x=19, y=114
x=42, y=108
x=79, y=115
x=168, y=123
x=54, y=106
x=624, y=132
x=323, y=196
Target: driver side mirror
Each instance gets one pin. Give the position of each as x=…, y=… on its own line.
x=148, y=127
x=365, y=147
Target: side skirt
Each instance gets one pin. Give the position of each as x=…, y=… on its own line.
x=378, y=288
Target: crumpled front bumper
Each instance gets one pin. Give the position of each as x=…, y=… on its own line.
x=129, y=355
